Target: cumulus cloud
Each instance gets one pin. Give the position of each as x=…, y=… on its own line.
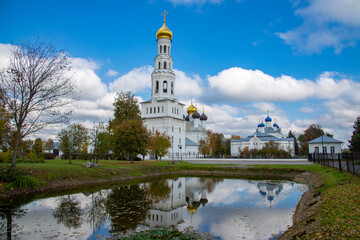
x=138, y=79
x=112, y=73
x=327, y=23
x=187, y=86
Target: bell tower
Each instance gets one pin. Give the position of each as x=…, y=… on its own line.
x=163, y=77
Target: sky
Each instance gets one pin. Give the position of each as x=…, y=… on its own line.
x=237, y=59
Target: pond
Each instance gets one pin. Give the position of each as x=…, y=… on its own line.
x=226, y=208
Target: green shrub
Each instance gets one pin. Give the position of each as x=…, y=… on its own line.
x=5, y=157
x=23, y=182
x=8, y=174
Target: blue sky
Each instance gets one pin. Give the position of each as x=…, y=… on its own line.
x=236, y=58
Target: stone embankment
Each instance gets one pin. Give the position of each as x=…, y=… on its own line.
x=305, y=219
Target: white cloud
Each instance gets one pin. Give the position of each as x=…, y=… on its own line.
x=327, y=23
x=5, y=52
x=186, y=86
x=306, y=109
x=138, y=79
x=112, y=73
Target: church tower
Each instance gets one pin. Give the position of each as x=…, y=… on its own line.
x=163, y=112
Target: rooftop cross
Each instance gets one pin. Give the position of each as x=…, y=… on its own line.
x=164, y=14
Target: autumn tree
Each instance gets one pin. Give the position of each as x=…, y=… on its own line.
x=49, y=145
x=36, y=87
x=312, y=132
x=128, y=133
x=160, y=144
x=72, y=139
x=354, y=142
x=204, y=144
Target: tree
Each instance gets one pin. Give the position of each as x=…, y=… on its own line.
x=36, y=87
x=160, y=144
x=100, y=139
x=204, y=147
x=5, y=125
x=130, y=137
x=49, y=145
x=296, y=144
x=354, y=142
x=312, y=132
x=38, y=146
x=72, y=139
x=128, y=133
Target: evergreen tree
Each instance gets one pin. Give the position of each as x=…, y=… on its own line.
x=296, y=144
x=355, y=138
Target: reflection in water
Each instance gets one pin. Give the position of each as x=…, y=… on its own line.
x=228, y=208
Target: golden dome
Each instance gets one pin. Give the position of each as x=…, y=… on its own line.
x=190, y=110
x=164, y=32
x=191, y=210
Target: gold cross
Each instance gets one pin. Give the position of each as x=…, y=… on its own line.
x=164, y=14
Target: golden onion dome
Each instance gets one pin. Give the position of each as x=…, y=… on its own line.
x=191, y=210
x=164, y=32
x=190, y=110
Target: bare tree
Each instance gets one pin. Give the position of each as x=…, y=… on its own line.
x=37, y=87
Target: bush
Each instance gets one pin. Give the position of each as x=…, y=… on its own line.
x=5, y=157
x=23, y=182
x=49, y=156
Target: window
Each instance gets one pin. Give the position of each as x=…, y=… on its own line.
x=159, y=65
x=162, y=109
x=147, y=110
x=172, y=88
x=164, y=49
x=316, y=149
x=172, y=128
x=179, y=140
x=150, y=110
x=154, y=109
x=158, y=109
x=157, y=87
x=165, y=86
x=168, y=49
x=160, y=48
x=332, y=150
x=164, y=65
x=324, y=149
x=172, y=139
x=170, y=66
x=180, y=130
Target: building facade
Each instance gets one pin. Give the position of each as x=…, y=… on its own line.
x=264, y=134
x=163, y=112
x=325, y=144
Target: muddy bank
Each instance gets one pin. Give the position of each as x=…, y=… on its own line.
x=59, y=187
x=304, y=219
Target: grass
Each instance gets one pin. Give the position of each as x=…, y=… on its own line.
x=340, y=194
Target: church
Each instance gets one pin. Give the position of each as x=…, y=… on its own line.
x=264, y=133
x=163, y=112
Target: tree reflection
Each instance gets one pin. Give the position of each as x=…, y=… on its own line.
x=158, y=189
x=68, y=212
x=96, y=214
x=127, y=207
x=7, y=214
x=210, y=183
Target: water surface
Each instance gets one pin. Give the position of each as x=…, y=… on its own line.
x=226, y=208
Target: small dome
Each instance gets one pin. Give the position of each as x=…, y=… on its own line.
x=196, y=115
x=164, y=32
x=203, y=117
x=187, y=118
x=261, y=125
x=190, y=110
x=268, y=119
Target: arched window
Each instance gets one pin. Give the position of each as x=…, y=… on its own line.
x=172, y=88
x=168, y=49
x=160, y=48
x=164, y=65
x=158, y=109
x=164, y=49
x=157, y=87
x=165, y=86
x=159, y=65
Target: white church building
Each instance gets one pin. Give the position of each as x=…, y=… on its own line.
x=264, y=133
x=163, y=112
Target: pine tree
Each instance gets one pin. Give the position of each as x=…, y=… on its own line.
x=355, y=138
